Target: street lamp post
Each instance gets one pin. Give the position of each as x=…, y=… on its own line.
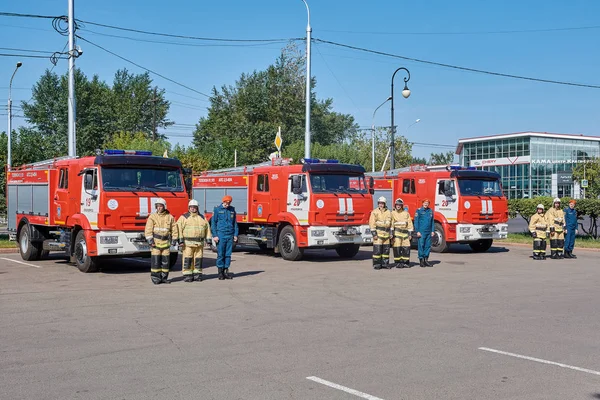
x=9, y=133
x=307, y=127
x=389, y=148
x=405, y=94
x=373, y=134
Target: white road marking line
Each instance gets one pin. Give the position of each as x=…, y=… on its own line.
x=587, y=371
x=20, y=262
x=343, y=388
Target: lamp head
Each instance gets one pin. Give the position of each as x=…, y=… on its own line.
x=406, y=91
x=19, y=63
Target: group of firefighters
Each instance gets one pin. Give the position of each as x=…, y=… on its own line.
x=396, y=227
x=556, y=224
x=190, y=233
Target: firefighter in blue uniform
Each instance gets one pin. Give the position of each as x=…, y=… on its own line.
x=424, y=226
x=570, y=229
x=224, y=229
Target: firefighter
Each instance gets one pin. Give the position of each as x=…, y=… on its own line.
x=539, y=230
x=194, y=230
x=161, y=232
x=570, y=229
x=403, y=228
x=425, y=228
x=555, y=217
x=225, y=231
x=380, y=223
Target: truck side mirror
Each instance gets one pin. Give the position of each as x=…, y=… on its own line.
x=188, y=183
x=89, y=181
x=296, y=184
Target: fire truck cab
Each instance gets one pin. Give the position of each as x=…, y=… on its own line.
x=290, y=208
x=93, y=207
x=469, y=205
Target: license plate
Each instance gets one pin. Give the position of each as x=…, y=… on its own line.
x=143, y=247
x=346, y=238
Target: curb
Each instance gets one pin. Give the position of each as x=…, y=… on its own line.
x=578, y=249
x=9, y=250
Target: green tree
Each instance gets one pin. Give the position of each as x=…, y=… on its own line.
x=129, y=105
x=591, y=171
x=441, y=158
x=138, y=141
x=418, y=160
x=247, y=115
x=190, y=157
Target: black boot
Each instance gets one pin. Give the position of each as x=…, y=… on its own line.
x=165, y=266
x=198, y=277
x=560, y=254
x=572, y=255
x=221, y=276
x=226, y=273
x=422, y=262
x=426, y=262
x=155, y=265
x=536, y=256
x=554, y=254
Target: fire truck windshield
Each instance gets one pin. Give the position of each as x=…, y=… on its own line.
x=337, y=183
x=141, y=179
x=480, y=187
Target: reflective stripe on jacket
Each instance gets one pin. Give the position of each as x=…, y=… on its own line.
x=556, y=218
x=381, y=222
x=162, y=229
x=193, y=229
x=402, y=223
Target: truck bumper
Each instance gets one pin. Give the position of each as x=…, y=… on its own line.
x=329, y=236
x=117, y=243
x=471, y=233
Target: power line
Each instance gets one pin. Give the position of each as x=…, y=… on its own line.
x=144, y=68
x=253, y=44
x=579, y=28
x=26, y=50
x=381, y=53
x=184, y=95
x=184, y=36
x=8, y=14
x=26, y=56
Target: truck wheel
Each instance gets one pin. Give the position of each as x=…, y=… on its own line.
x=29, y=251
x=347, y=250
x=438, y=243
x=173, y=259
x=84, y=262
x=481, y=245
x=288, y=245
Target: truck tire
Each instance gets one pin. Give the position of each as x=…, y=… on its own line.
x=83, y=261
x=29, y=251
x=347, y=250
x=481, y=245
x=438, y=243
x=173, y=259
x=288, y=245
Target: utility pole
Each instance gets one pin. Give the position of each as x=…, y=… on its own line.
x=308, y=81
x=154, y=127
x=72, y=56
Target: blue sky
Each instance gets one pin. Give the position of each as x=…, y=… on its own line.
x=451, y=104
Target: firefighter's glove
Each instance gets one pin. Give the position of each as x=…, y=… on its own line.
x=174, y=243
x=151, y=242
x=534, y=234
x=552, y=229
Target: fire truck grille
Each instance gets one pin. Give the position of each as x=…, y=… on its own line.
x=132, y=223
x=487, y=218
x=334, y=218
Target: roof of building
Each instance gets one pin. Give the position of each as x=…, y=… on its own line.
x=459, y=147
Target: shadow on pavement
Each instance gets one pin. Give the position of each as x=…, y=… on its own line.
x=208, y=277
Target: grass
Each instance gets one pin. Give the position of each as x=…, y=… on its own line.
x=525, y=238
x=7, y=244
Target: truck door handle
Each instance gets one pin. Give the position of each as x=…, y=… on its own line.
x=55, y=197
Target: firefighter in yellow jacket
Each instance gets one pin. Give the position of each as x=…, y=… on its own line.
x=380, y=223
x=403, y=228
x=539, y=230
x=161, y=232
x=194, y=230
x=555, y=217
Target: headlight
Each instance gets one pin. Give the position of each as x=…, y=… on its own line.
x=109, y=239
x=318, y=233
x=368, y=231
x=504, y=228
x=465, y=229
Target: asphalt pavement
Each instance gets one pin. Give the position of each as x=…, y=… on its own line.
x=495, y=325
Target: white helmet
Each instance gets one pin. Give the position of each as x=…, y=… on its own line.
x=399, y=201
x=193, y=203
x=160, y=201
x=557, y=200
x=382, y=200
x=540, y=206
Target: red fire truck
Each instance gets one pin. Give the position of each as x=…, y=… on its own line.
x=289, y=208
x=93, y=207
x=469, y=205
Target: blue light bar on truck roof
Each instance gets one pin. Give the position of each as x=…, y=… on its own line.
x=128, y=152
x=318, y=161
x=459, y=168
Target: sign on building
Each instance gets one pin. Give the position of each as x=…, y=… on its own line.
x=491, y=162
x=584, y=183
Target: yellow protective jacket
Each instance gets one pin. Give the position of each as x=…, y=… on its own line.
x=162, y=229
x=538, y=224
x=402, y=223
x=193, y=229
x=381, y=222
x=556, y=218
